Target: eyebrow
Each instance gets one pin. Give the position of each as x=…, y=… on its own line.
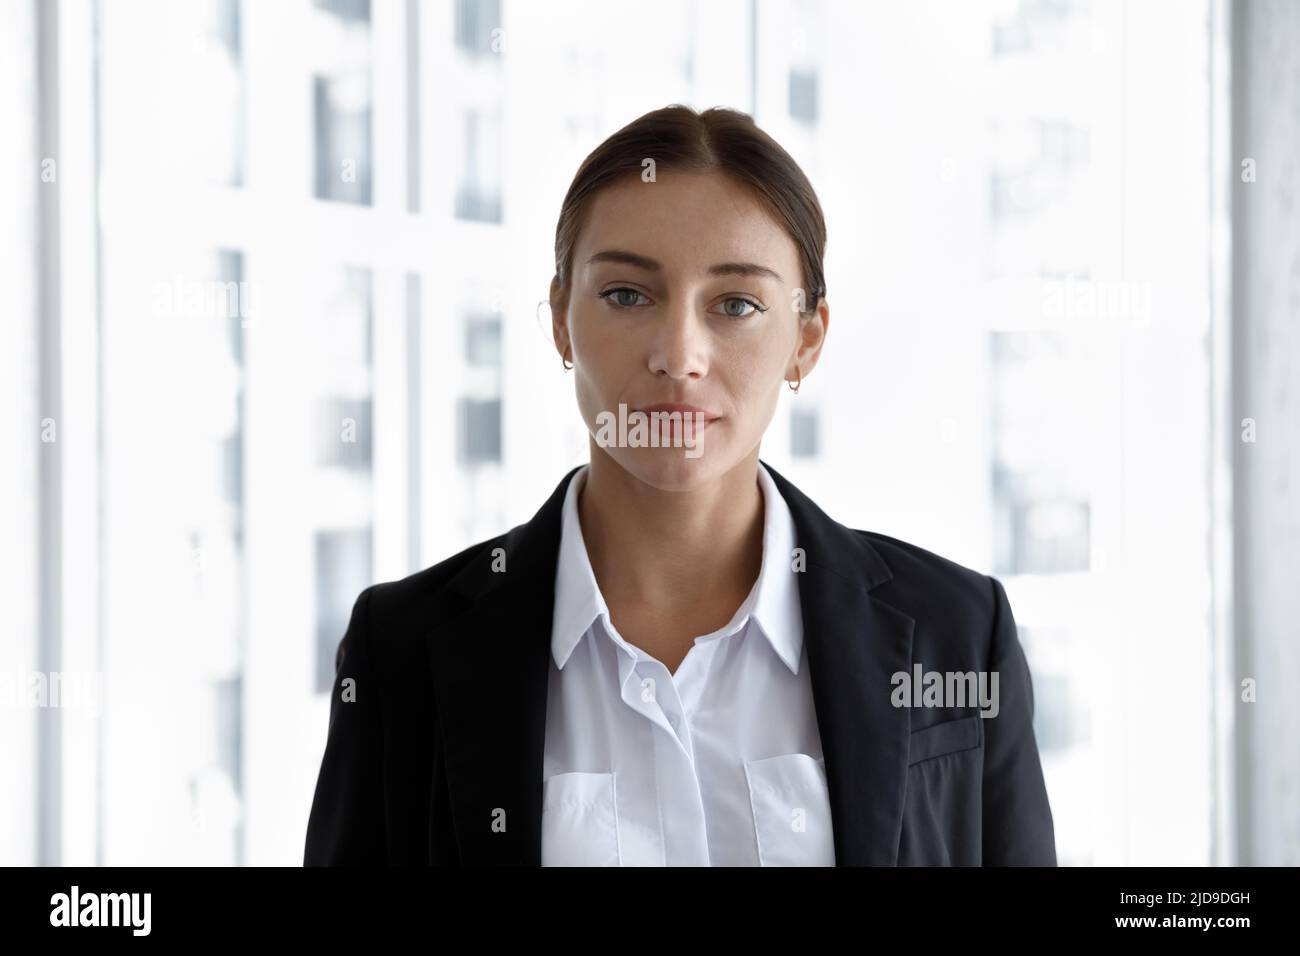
x=652, y=265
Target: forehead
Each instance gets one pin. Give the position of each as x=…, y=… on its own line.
x=687, y=222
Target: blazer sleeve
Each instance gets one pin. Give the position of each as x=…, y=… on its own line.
x=346, y=824
x=1017, y=821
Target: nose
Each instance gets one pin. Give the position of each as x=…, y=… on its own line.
x=680, y=346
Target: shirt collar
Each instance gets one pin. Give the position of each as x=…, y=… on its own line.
x=773, y=602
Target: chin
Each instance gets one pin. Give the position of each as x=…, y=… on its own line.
x=668, y=469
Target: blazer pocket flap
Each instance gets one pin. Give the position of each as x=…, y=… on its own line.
x=952, y=736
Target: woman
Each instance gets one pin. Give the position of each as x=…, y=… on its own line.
x=680, y=659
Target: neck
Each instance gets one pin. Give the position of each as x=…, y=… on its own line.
x=654, y=548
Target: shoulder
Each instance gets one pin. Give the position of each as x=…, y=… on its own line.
x=416, y=587
x=398, y=613
x=945, y=598
x=914, y=580
x=932, y=575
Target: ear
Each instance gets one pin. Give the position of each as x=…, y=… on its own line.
x=812, y=336
x=559, y=300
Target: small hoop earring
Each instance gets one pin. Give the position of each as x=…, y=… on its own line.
x=795, y=387
x=564, y=359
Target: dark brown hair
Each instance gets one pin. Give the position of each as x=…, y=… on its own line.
x=719, y=139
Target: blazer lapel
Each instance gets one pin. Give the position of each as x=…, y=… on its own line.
x=491, y=670
x=855, y=643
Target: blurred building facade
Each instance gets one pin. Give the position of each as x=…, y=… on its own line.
x=301, y=253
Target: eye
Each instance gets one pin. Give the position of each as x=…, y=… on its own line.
x=739, y=302
x=618, y=296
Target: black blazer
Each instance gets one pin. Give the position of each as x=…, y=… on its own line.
x=443, y=740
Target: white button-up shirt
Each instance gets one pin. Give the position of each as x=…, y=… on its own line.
x=718, y=764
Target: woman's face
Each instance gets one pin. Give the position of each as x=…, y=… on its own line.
x=684, y=291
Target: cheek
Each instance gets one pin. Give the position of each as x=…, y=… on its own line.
x=754, y=377
x=601, y=373
x=588, y=389
x=603, y=359
x=753, y=366
x=758, y=402
x=596, y=341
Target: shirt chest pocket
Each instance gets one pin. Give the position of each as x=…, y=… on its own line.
x=792, y=811
x=580, y=820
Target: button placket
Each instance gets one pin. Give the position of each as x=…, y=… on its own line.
x=636, y=673
x=671, y=711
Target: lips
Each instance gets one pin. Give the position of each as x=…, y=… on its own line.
x=670, y=407
x=682, y=426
